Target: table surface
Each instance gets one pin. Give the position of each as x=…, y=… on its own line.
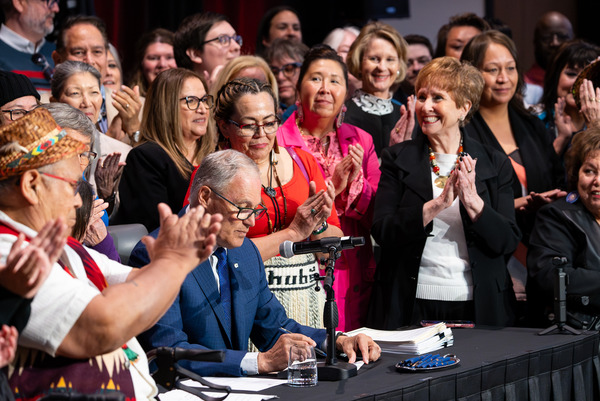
x=488, y=359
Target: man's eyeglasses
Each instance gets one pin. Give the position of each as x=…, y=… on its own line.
x=287, y=69
x=248, y=130
x=193, y=102
x=244, y=213
x=73, y=183
x=50, y=3
x=87, y=157
x=225, y=40
x=15, y=114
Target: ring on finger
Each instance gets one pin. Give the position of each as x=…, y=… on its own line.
x=127, y=105
x=592, y=99
x=469, y=171
x=313, y=211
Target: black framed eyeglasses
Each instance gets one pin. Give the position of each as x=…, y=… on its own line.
x=248, y=130
x=244, y=213
x=50, y=3
x=193, y=102
x=15, y=114
x=85, y=158
x=287, y=69
x=225, y=40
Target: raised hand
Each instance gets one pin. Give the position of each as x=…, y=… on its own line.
x=403, y=129
x=27, y=267
x=96, y=230
x=313, y=212
x=356, y=153
x=590, y=103
x=186, y=241
x=128, y=103
x=8, y=344
x=466, y=189
x=107, y=175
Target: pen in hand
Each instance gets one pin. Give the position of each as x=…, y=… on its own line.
x=318, y=351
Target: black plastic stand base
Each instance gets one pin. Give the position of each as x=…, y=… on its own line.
x=561, y=328
x=337, y=372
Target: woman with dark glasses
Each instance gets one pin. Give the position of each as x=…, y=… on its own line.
x=175, y=138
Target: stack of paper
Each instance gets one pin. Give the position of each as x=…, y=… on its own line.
x=416, y=341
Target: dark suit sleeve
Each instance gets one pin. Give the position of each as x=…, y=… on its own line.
x=14, y=310
x=394, y=221
x=169, y=332
x=271, y=315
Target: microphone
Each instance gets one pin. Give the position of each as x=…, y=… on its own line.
x=40, y=60
x=288, y=248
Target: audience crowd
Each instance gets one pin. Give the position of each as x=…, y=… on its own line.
x=453, y=164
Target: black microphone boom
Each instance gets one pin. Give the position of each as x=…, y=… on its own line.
x=288, y=248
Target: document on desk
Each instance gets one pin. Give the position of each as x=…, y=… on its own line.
x=249, y=384
x=416, y=341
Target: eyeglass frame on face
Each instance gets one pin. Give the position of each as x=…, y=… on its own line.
x=11, y=111
x=289, y=73
x=50, y=3
x=257, y=127
x=225, y=40
x=89, y=155
x=256, y=212
x=73, y=183
x=207, y=100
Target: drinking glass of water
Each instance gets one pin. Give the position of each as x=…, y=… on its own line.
x=302, y=366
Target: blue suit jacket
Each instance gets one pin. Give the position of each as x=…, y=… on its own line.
x=195, y=320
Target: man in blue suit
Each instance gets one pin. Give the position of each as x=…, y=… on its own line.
x=204, y=316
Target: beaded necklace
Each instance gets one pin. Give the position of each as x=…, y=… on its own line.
x=324, y=145
x=440, y=181
x=271, y=193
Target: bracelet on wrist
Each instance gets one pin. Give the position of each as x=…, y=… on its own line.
x=321, y=229
x=110, y=198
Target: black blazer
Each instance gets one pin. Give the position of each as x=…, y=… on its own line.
x=150, y=176
x=404, y=188
x=543, y=168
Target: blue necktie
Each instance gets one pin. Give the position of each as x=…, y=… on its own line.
x=225, y=286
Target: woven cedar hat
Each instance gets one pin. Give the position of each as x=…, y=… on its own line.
x=33, y=141
x=591, y=73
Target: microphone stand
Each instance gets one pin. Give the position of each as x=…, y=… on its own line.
x=560, y=300
x=332, y=369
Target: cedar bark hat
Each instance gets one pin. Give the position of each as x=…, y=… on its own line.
x=33, y=141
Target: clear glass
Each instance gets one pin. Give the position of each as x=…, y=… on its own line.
x=302, y=366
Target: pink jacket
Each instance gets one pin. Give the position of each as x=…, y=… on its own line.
x=354, y=271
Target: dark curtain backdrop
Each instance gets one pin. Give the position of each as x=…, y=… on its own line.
x=127, y=20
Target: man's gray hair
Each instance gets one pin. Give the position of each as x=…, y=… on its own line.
x=67, y=116
x=65, y=70
x=218, y=169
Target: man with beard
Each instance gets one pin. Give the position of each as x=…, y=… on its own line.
x=22, y=35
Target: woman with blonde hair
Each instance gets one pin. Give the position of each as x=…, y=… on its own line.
x=245, y=66
x=378, y=58
x=175, y=138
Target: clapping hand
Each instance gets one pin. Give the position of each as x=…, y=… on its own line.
x=128, y=103
x=26, y=268
x=348, y=169
x=96, y=230
x=107, y=175
x=186, y=241
x=590, y=103
x=403, y=129
x=8, y=344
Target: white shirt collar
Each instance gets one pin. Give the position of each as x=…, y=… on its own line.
x=18, y=42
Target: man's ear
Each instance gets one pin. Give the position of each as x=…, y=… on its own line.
x=195, y=55
x=30, y=184
x=56, y=57
x=18, y=5
x=204, y=196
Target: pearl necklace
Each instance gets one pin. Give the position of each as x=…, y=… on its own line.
x=440, y=181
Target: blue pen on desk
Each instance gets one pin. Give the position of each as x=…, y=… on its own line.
x=318, y=351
